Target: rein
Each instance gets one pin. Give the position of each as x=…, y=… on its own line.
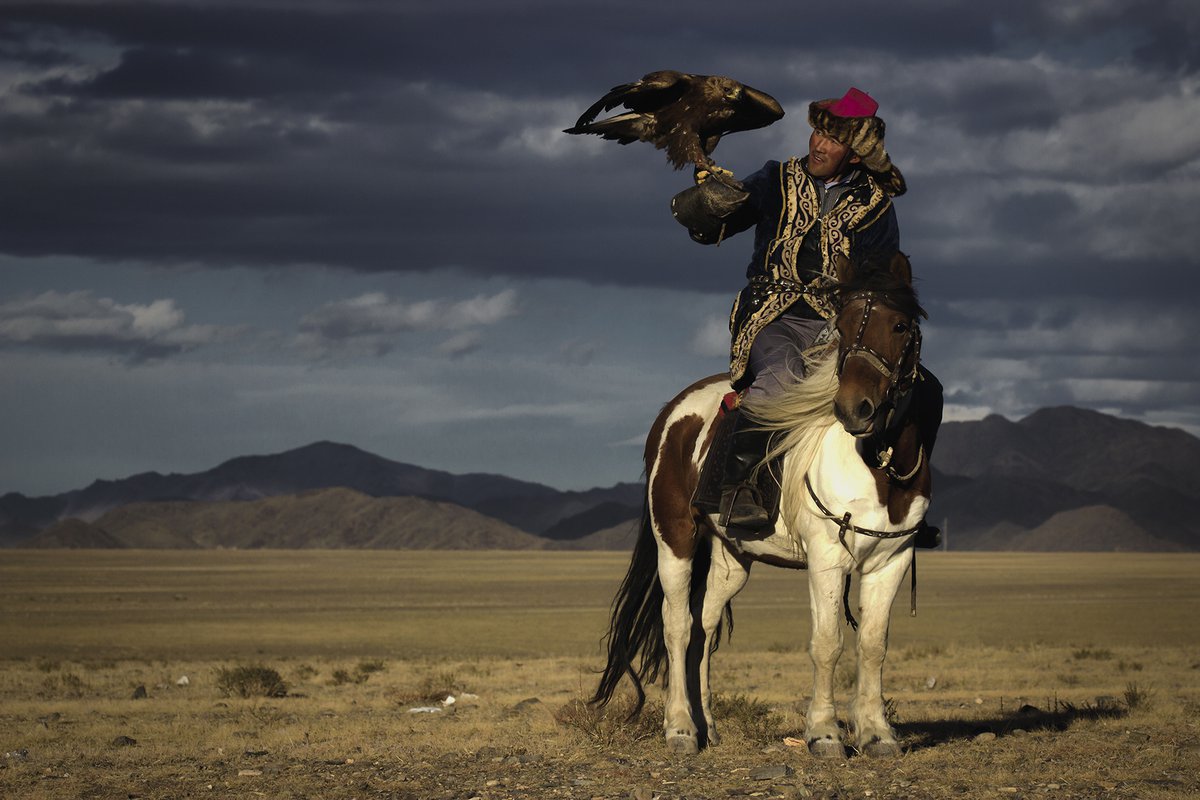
x=844, y=523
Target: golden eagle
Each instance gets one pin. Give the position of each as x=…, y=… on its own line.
x=684, y=114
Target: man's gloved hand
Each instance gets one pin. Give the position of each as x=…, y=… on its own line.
x=706, y=209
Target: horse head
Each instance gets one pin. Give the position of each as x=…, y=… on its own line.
x=878, y=320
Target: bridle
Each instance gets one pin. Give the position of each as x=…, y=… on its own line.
x=900, y=380
x=895, y=373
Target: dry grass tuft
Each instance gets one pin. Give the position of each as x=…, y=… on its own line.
x=360, y=674
x=612, y=725
x=250, y=681
x=1096, y=654
x=750, y=718
x=1136, y=698
x=64, y=684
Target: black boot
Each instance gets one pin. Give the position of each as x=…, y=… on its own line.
x=928, y=537
x=748, y=497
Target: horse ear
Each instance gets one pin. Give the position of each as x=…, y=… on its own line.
x=843, y=268
x=900, y=268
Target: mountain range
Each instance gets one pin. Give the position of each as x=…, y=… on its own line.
x=1066, y=478
x=1060, y=479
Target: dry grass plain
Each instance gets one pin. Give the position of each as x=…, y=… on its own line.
x=1023, y=675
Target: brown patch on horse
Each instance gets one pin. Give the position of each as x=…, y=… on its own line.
x=654, y=437
x=672, y=484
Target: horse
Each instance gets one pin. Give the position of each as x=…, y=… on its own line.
x=854, y=438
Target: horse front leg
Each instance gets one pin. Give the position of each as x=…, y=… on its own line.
x=873, y=735
x=825, y=598
x=675, y=575
x=726, y=577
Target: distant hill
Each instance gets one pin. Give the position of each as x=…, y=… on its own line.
x=322, y=518
x=74, y=534
x=528, y=506
x=1060, y=479
x=1001, y=484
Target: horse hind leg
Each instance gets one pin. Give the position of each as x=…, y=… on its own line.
x=726, y=575
x=672, y=473
x=675, y=575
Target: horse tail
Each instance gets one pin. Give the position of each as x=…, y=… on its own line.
x=635, y=632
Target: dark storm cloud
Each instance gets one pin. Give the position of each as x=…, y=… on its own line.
x=1040, y=215
x=161, y=73
x=408, y=137
x=502, y=43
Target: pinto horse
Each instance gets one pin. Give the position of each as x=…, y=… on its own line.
x=854, y=439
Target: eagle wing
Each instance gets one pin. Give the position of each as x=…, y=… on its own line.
x=682, y=113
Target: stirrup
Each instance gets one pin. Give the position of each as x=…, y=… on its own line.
x=749, y=518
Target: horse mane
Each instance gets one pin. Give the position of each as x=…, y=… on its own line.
x=799, y=416
x=873, y=274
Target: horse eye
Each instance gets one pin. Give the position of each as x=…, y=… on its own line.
x=901, y=327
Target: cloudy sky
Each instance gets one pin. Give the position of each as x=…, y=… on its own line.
x=243, y=226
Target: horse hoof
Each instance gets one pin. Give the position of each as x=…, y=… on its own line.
x=826, y=748
x=683, y=745
x=880, y=749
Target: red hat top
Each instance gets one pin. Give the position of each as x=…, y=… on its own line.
x=855, y=103
x=851, y=120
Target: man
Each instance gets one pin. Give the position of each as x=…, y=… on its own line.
x=836, y=201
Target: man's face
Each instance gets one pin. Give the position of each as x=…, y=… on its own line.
x=828, y=158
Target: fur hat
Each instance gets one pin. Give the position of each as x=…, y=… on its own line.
x=851, y=120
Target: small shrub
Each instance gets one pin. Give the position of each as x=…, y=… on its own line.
x=46, y=665
x=368, y=668
x=250, y=681
x=1098, y=654
x=1136, y=697
x=611, y=726
x=751, y=718
x=438, y=687
x=305, y=671
x=433, y=689
x=361, y=673
x=1129, y=666
x=1069, y=679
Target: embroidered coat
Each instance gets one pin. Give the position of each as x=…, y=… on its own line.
x=800, y=226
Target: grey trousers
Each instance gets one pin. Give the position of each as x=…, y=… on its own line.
x=775, y=356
